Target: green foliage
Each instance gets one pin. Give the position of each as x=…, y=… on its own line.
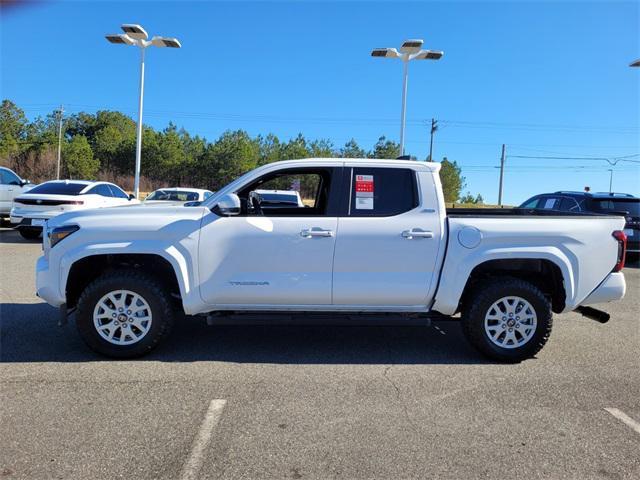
x=386, y=149
x=13, y=129
x=352, y=150
x=468, y=198
x=103, y=145
x=452, y=180
x=78, y=159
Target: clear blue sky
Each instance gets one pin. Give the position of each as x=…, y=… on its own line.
x=546, y=78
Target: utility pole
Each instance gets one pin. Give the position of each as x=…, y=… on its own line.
x=610, y=180
x=434, y=127
x=501, y=174
x=60, y=113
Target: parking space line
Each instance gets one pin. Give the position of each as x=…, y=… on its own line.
x=211, y=419
x=623, y=417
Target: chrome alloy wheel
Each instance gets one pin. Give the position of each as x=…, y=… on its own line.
x=122, y=317
x=510, y=322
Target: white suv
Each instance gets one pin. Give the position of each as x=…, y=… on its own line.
x=11, y=185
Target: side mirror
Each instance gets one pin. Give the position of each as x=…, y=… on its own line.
x=132, y=196
x=227, y=205
x=24, y=182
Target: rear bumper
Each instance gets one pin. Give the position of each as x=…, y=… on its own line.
x=611, y=289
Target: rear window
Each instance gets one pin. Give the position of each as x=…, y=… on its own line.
x=382, y=192
x=55, y=188
x=610, y=205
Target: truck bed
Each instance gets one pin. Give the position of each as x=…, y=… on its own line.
x=519, y=212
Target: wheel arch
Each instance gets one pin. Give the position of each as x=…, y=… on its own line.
x=87, y=268
x=545, y=274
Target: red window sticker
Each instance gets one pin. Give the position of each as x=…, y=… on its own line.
x=364, y=183
x=364, y=192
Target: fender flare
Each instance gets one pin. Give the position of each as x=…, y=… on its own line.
x=176, y=256
x=451, y=288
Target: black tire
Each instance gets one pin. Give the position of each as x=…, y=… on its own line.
x=153, y=292
x=481, y=300
x=30, y=233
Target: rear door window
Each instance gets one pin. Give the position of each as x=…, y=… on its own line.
x=102, y=190
x=116, y=191
x=568, y=204
x=382, y=192
x=549, y=203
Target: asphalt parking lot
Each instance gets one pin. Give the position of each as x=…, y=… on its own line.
x=305, y=402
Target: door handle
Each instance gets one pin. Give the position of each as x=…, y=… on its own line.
x=316, y=232
x=416, y=233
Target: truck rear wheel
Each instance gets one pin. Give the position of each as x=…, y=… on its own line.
x=507, y=319
x=124, y=314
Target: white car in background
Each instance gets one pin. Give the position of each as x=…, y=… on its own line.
x=31, y=210
x=11, y=185
x=177, y=196
x=277, y=198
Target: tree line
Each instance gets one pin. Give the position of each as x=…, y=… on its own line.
x=102, y=146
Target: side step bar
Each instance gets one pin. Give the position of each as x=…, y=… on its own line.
x=593, y=314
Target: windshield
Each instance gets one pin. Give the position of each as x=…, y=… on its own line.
x=610, y=205
x=59, y=188
x=173, y=196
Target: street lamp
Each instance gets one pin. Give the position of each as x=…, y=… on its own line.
x=137, y=36
x=410, y=50
x=635, y=64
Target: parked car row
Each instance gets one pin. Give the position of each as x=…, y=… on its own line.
x=29, y=206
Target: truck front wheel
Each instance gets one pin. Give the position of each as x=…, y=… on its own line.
x=507, y=319
x=124, y=314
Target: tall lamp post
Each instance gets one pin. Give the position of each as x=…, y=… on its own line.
x=410, y=50
x=635, y=64
x=137, y=36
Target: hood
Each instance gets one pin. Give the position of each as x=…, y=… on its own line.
x=136, y=218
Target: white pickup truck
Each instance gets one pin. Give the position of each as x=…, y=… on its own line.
x=370, y=236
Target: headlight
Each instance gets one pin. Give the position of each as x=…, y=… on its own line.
x=60, y=233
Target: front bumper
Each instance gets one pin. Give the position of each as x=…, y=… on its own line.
x=611, y=289
x=47, y=283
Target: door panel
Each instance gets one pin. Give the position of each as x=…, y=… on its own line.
x=383, y=259
x=258, y=260
x=375, y=264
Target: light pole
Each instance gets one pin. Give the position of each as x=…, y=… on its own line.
x=610, y=180
x=137, y=36
x=60, y=113
x=635, y=64
x=410, y=50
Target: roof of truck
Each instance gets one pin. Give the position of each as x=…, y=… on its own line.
x=433, y=166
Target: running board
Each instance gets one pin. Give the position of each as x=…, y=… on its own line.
x=593, y=314
x=302, y=318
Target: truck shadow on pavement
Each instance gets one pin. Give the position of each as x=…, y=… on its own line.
x=30, y=334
